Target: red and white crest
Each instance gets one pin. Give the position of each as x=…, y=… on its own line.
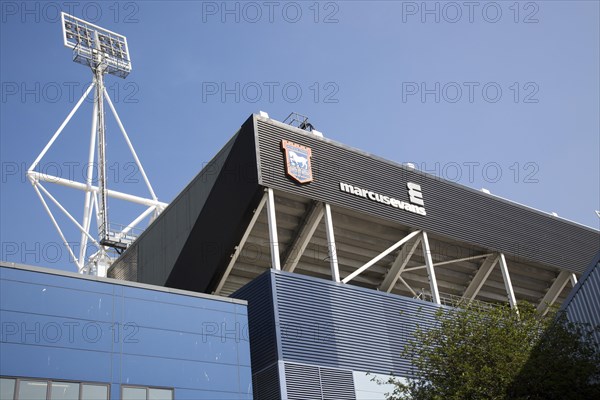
x=297, y=161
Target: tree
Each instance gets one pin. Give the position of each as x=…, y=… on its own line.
x=495, y=352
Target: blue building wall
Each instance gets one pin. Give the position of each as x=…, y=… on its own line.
x=66, y=327
x=328, y=335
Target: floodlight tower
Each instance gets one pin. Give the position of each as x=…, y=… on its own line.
x=105, y=52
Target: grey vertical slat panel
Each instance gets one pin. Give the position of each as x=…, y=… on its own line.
x=261, y=321
x=265, y=383
x=126, y=269
x=303, y=382
x=453, y=210
x=583, y=303
x=337, y=384
x=343, y=326
x=310, y=382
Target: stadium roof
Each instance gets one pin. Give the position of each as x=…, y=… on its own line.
x=217, y=235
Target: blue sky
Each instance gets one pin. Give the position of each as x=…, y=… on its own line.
x=499, y=95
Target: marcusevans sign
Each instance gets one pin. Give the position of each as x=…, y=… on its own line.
x=416, y=204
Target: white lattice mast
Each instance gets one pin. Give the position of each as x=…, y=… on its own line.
x=105, y=52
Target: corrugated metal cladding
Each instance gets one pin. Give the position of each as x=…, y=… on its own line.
x=265, y=383
x=303, y=382
x=329, y=329
x=261, y=317
x=583, y=303
x=309, y=382
x=126, y=269
x=157, y=249
x=453, y=210
x=264, y=344
x=337, y=384
x=190, y=243
x=322, y=331
x=344, y=326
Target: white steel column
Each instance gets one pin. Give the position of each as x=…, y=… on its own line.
x=507, y=282
x=104, y=228
x=274, y=241
x=333, y=261
x=87, y=215
x=435, y=294
x=573, y=280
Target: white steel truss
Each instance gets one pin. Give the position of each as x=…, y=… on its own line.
x=405, y=247
x=480, y=277
x=298, y=246
x=95, y=196
x=240, y=246
x=302, y=239
x=397, y=268
x=399, y=265
x=483, y=273
x=380, y=256
x=555, y=290
x=440, y=263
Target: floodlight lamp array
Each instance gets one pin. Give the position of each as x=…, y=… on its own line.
x=96, y=47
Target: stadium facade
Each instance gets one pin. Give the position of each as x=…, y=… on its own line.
x=338, y=255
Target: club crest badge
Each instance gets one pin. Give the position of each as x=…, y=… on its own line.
x=297, y=161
